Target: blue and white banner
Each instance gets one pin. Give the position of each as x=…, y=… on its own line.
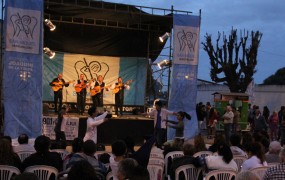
x=72, y=65
x=22, y=76
x=183, y=91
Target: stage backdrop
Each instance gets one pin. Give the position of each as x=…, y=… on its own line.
x=72, y=65
x=22, y=76
x=184, y=75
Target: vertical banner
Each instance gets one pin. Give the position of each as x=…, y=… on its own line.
x=22, y=67
x=183, y=91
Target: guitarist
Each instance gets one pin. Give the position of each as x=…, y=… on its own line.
x=59, y=83
x=80, y=87
x=99, y=86
x=119, y=94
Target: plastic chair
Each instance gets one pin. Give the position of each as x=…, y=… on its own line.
x=273, y=164
x=7, y=172
x=62, y=152
x=203, y=154
x=171, y=155
x=156, y=155
x=189, y=171
x=239, y=160
x=156, y=161
x=221, y=174
x=24, y=154
x=155, y=172
x=110, y=176
x=42, y=171
x=259, y=171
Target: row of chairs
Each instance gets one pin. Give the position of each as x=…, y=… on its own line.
x=24, y=154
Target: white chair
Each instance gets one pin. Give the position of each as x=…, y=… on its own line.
x=62, y=152
x=7, y=172
x=110, y=176
x=273, y=164
x=156, y=161
x=259, y=171
x=189, y=171
x=239, y=160
x=171, y=155
x=24, y=154
x=42, y=171
x=155, y=172
x=156, y=155
x=203, y=154
x=221, y=174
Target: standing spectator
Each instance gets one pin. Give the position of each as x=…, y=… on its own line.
x=209, y=112
x=43, y=156
x=266, y=113
x=273, y=154
x=282, y=126
x=236, y=119
x=228, y=123
x=61, y=124
x=160, y=116
x=276, y=172
x=213, y=122
x=24, y=145
x=273, y=125
x=280, y=117
x=7, y=155
x=259, y=122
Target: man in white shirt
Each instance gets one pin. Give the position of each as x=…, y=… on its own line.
x=228, y=122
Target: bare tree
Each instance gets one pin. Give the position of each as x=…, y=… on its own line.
x=228, y=64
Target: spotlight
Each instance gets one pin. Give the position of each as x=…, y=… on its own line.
x=49, y=24
x=49, y=52
x=164, y=37
x=163, y=63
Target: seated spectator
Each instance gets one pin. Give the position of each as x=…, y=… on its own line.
x=140, y=173
x=218, y=140
x=255, y=155
x=199, y=143
x=42, y=155
x=24, y=145
x=246, y=139
x=89, y=149
x=126, y=168
x=130, y=146
x=61, y=144
x=224, y=159
x=236, y=146
x=119, y=149
x=7, y=155
x=77, y=144
x=25, y=176
x=82, y=170
x=176, y=145
x=246, y=175
x=273, y=155
x=276, y=172
x=188, y=150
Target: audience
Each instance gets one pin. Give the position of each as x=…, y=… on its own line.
x=236, y=146
x=82, y=170
x=77, y=144
x=246, y=175
x=126, y=168
x=256, y=157
x=43, y=156
x=24, y=145
x=276, y=172
x=199, y=143
x=224, y=159
x=25, y=176
x=119, y=149
x=273, y=154
x=219, y=139
x=7, y=155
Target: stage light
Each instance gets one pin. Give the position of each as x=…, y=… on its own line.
x=164, y=37
x=163, y=63
x=49, y=52
x=49, y=24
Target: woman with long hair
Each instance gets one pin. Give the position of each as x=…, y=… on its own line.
x=256, y=157
x=199, y=143
x=178, y=125
x=7, y=155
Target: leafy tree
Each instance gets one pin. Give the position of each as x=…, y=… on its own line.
x=228, y=64
x=277, y=79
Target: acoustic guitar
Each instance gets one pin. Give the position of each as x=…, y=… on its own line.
x=119, y=86
x=59, y=85
x=97, y=89
x=79, y=87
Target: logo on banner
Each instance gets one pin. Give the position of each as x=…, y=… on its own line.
x=23, y=30
x=187, y=40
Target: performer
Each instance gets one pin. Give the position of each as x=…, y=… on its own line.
x=92, y=122
x=97, y=90
x=61, y=124
x=118, y=90
x=178, y=125
x=57, y=85
x=80, y=88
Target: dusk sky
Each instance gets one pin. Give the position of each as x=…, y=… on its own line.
x=221, y=15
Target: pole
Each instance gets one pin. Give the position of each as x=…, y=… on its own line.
x=170, y=58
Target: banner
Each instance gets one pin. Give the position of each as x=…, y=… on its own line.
x=183, y=91
x=71, y=128
x=22, y=67
x=72, y=65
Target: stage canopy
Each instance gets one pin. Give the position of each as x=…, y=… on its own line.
x=107, y=29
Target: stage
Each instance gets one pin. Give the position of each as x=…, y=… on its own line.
x=134, y=126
